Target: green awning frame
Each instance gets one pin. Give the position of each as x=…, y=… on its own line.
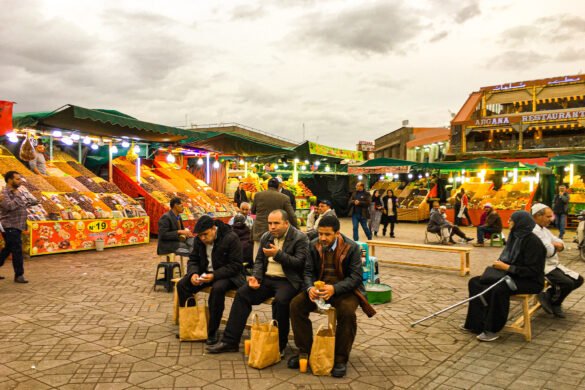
x=568, y=159
x=235, y=144
x=100, y=122
x=387, y=162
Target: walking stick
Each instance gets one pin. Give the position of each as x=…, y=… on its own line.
x=507, y=279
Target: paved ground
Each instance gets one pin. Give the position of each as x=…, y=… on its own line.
x=91, y=321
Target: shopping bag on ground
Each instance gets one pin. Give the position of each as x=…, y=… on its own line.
x=175, y=306
x=193, y=321
x=322, y=355
x=264, y=347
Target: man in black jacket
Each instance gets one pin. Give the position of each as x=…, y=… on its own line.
x=172, y=235
x=216, y=261
x=335, y=260
x=291, y=196
x=278, y=273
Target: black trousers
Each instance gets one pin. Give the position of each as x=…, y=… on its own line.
x=561, y=285
x=465, y=214
x=216, y=302
x=280, y=289
x=493, y=317
x=345, y=307
x=13, y=244
x=455, y=231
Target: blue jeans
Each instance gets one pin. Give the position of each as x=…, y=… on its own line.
x=482, y=230
x=359, y=219
x=561, y=221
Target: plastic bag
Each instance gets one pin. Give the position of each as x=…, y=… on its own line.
x=27, y=150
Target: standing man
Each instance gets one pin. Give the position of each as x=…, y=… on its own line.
x=359, y=205
x=266, y=202
x=216, y=261
x=335, y=260
x=172, y=235
x=39, y=164
x=278, y=273
x=493, y=224
x=562, y=280
x=245, y=211
x=13, y=204
x=291, y=196
x=560, y=208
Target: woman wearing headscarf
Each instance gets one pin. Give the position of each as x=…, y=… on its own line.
x=523, y=259
x=390, y=212
x=376, y=209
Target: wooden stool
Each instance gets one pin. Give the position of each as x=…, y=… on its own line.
x=439, y=238
x=171, y=257
x=522, y=324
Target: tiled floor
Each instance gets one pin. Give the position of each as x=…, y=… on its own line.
x=90, y=320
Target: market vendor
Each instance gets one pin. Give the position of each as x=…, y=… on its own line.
x=39, y=164
x=173, y=237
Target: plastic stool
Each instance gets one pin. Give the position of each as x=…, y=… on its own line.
x=166, y=271
x=497, y=240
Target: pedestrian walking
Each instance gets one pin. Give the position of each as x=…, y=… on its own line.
x=359, y=210
x=390, y=212
x=560, y=208
x=376, y=209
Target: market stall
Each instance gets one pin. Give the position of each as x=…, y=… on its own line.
x=572, y=168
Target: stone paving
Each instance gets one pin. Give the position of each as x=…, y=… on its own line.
x=90, y=320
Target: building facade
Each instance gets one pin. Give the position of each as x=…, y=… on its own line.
x=527, y=119
x=420, y=144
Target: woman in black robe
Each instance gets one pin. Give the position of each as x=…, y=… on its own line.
x=390, y=212
x=523, y=259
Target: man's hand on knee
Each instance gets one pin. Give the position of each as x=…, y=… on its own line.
x=195, y=280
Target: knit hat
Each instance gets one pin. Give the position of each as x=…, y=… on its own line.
x=204, y=223
x=537, y=207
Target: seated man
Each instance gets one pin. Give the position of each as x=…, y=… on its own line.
x=245, y=209
x=335, y=260
x=216, y=261
x=245, y=235
x=325, y=208
x=278, y=273
x=172, y=235
x=455, y=230
x=562, y=280
x=438, y=224
x=493, y=224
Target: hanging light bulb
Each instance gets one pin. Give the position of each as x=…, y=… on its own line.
x=420, y=176
x=297, y=160
x=327, y=169
x=360, y=177
x=199, y=161
x=114, y=149
x=171, y=159
x=94, y=146
x=125, y=144
x=317, y=163
x=450, y=180
x=426, y=174
x=86, y=140
x=381, y=177
x=216, y=164
x=307, y=162
x=275, y=167
x=57, y=133
x=396, y=175
x=75, y=137
x=67, y=141
x=136, y=149
x=410, y=175
x=284, y=164
x=304, y=168
x=242, y=162
x=13, y=138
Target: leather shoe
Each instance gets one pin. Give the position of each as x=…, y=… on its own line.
x=20, y=279
x=339, y=370
x=212, y=339
x=222, y=347
x=545, y=302
x=558, y=311
x=293, y=363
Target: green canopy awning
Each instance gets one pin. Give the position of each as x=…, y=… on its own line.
x=236, y=144
x=485, y=163
x=387, y=162
x=99, y=122
x=577, y=159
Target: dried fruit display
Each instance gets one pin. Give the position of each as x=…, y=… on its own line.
x=29, y=186
x=11, y=164
x=58, y=183
x=73, y=183
x=58, y=155
x=39, y=182
x=81, y=169
x=90, y=184
x=68, y=169
x=110, y=187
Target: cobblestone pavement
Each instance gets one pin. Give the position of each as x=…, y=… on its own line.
x=90, y=320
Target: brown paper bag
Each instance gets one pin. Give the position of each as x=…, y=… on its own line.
x=322, y=355
x=264, y=347
x=193, y=322
x=175, y=306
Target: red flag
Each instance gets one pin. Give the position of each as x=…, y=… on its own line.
x=5, y=117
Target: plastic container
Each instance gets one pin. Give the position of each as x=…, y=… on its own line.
x=99, y=244
x=378, y=293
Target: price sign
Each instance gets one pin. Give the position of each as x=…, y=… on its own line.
x=97, y=226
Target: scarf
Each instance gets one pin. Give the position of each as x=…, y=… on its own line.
x=523, y=226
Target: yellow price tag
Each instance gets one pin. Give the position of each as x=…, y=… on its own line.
x=97, y=226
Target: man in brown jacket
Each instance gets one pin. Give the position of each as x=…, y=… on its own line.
x=335, y=260
x=492, y=225
x=266, y=202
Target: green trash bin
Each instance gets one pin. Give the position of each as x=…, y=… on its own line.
x=378, y=293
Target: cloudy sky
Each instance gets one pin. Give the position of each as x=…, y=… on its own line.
x=348, y=70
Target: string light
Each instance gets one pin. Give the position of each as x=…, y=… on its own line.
x=75, y=137
x=87, y=140
x=216, y=164
x=136, y=149
x=275, y=167
x=171, y=159
x=94, y=146
x=67, y=141
x=125, y=144
x=114, y=149
x=57, y=133
x=199, y=161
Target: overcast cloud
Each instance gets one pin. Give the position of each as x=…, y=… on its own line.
x=347, y=70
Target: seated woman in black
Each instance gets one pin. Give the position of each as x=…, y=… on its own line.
x=523, y=259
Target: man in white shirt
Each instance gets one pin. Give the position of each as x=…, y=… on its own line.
x=562, y=279
x=245, y=208
x=39, y=164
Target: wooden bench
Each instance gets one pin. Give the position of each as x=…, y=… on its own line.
x=331, y=313
x=464, y=263
x=530, y=304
